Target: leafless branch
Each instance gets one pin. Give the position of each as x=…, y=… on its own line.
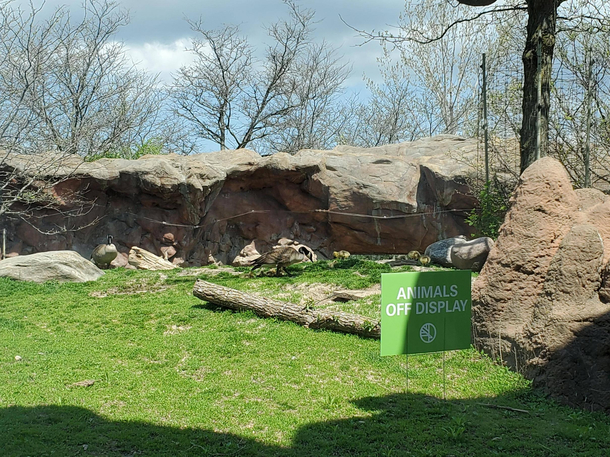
x=417, y=36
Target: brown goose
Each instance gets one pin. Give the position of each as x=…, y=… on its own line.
x=282, y=257
x=103, y=254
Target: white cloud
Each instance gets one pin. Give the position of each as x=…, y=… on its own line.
x=160, y=58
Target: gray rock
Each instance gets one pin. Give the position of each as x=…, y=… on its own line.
x=440, y=252
x=63, y=266
x=472, y=254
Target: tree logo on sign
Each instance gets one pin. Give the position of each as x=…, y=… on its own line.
x=427, y=333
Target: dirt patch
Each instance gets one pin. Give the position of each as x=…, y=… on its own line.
x=176, y=329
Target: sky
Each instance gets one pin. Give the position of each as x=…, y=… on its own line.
x=158, y=33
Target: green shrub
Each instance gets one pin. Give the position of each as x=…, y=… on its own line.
x=153, y=147
x=493, y=205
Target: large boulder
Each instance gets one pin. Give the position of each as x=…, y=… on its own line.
x=458, y=252
x=472, y=254
x=440, y=251
x=540, y=303
x=62, y=266
x=205, y=208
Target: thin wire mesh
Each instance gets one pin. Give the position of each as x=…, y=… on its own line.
x=580, y=98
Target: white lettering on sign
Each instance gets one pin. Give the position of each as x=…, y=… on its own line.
x=427, y=292
x=440, y=306
x=428, y=307
x=396, y=309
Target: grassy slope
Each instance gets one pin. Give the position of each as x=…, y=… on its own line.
x=176, y=376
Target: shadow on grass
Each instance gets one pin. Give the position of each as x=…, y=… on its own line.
x=395, y=425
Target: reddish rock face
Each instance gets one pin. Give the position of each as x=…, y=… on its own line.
x=540, y=302
x=207, y=207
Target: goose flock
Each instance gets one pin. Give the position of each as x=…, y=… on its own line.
x=279, y=257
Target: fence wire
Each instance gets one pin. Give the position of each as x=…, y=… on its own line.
x=579, y=133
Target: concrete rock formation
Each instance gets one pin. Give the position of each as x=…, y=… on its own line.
x=62, y=266
x=201, y=209
x=472, y=254
x=440, y=251
x=540, y=303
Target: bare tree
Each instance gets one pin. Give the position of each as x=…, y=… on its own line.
x=444, y=71
x=318, y=114
x=279, y=102
x=68, y=89
x=207, y=93
x=90, y=99
x=426, y=89
x=269, y=98
x=23, y=45
x=580, y=95
x=390, y=114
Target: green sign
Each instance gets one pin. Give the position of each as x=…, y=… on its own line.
x=425, y=312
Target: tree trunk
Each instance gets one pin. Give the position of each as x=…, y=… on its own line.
x=541, y=29
x=266, y=307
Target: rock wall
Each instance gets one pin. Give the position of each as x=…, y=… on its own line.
x=205, y=208
x=540, y=303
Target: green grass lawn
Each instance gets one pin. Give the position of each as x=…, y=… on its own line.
x=176, y=376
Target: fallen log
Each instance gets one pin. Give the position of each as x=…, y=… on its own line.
x=144, y=260
x=305, y=316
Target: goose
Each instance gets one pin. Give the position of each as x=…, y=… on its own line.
x=413, y=255
x=424, y=260
x=282, y=257
x=341, y=254
x=103, y=254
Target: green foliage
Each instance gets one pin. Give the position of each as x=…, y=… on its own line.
x=489, y=216
x=150, y=147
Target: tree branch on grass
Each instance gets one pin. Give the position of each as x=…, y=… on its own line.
x=304, y=316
